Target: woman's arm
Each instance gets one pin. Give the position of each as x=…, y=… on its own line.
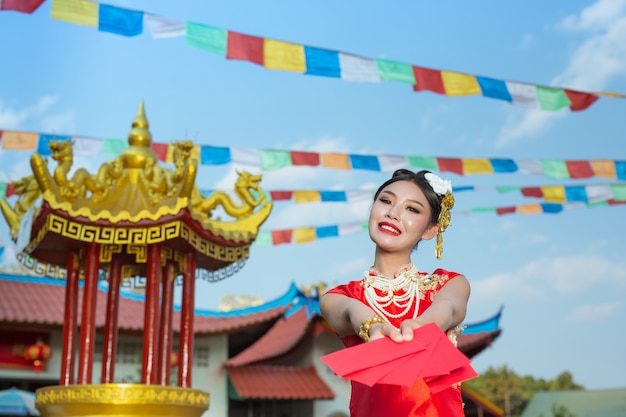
x=447, y=310
x=345, y=315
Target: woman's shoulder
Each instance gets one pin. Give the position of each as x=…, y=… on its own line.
x=351, y=289
x=446, y=273
x=440, y=277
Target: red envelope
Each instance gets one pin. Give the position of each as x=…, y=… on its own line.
x=430, y=355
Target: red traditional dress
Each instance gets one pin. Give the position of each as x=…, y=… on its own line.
x=382, y=400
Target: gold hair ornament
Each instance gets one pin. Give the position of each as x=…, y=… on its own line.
x=443, y=188
x=447, y=202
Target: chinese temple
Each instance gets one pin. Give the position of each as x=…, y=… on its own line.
x=133, y=216
x=259, y=358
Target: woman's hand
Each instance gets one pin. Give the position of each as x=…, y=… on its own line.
x=380, y=330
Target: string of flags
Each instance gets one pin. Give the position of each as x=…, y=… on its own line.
x=293, y=57
x=309, y=234
x=275, y=159
x=588, y=193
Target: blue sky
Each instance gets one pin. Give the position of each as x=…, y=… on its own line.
x=560, y=278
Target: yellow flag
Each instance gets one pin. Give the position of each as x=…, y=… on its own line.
x=458, y=84
x=476, y=166
x=553, y=193
x=306, y=196
x=81, y=12
x=304, y=234
x=19, y=141
x=284, y=56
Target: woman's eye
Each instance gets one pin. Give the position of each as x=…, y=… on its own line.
x=413, y=209
x=384, y=200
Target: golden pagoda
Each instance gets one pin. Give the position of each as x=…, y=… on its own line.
x=133, y=217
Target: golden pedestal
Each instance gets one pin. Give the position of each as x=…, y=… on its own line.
x=124, y=400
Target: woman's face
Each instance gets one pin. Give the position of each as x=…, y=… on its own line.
x=400, y=217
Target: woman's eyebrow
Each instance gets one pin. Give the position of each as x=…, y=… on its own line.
x=419, y=203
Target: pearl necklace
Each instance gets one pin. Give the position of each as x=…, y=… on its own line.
x=407, y=280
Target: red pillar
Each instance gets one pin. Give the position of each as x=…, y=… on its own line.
x=110, y=327
x=88, y=318
x=70, y=320
x=186, y=322
x=151, y=315
x=165, y=342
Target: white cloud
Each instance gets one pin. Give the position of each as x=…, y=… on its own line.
x=564, y=275
x=62, y=123
x=351, y=268
x=567, y=274
x=531, y=123
x=527, y=41
x=502, y=286
x=592, y=65
x=590, y=313
x=12, y=118
x=597, y=16
x=597, y=60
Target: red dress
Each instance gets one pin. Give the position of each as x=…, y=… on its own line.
x=382, y=400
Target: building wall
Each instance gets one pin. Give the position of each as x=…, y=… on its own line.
x=210, y=352
x=324, y=344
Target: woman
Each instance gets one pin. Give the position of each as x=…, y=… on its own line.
x=394, y=299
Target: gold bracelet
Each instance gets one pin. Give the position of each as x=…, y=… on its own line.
x=366, y=325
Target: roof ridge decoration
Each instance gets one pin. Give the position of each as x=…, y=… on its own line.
x=132, y=201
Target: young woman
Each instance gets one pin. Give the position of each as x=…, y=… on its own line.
x=394, y=298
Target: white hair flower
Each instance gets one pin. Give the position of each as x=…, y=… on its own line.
x=439, y=185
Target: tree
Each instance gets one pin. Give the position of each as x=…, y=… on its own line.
x=507, y=390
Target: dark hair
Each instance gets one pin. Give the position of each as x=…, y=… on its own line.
x=417, y=178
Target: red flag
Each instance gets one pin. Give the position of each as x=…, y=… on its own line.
x=245, y=47
x=24, y=6
x=450, y=165
x=579, y=169
x=580, y=100
x=428, y=79
x=305, y=158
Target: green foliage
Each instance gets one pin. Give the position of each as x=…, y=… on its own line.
x=512, y=392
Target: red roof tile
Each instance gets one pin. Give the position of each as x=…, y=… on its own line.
x=284, y=335
x=279, y=382
x=30, y=303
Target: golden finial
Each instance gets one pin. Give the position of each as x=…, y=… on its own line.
x=139, y=134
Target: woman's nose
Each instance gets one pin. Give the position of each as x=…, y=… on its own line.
x=391, y=213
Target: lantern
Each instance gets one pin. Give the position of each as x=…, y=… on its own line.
x=38, y=353
x=174, y=360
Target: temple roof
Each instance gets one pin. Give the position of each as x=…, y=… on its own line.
x=272, y=382
x=294, y=314
x=37, y=302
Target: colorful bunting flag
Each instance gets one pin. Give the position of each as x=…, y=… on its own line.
x=120, y=21
x=23, y=6
x=80, y=12
x=164, y=27
x=274, y=159
x=206, y=37
x=287, y=56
